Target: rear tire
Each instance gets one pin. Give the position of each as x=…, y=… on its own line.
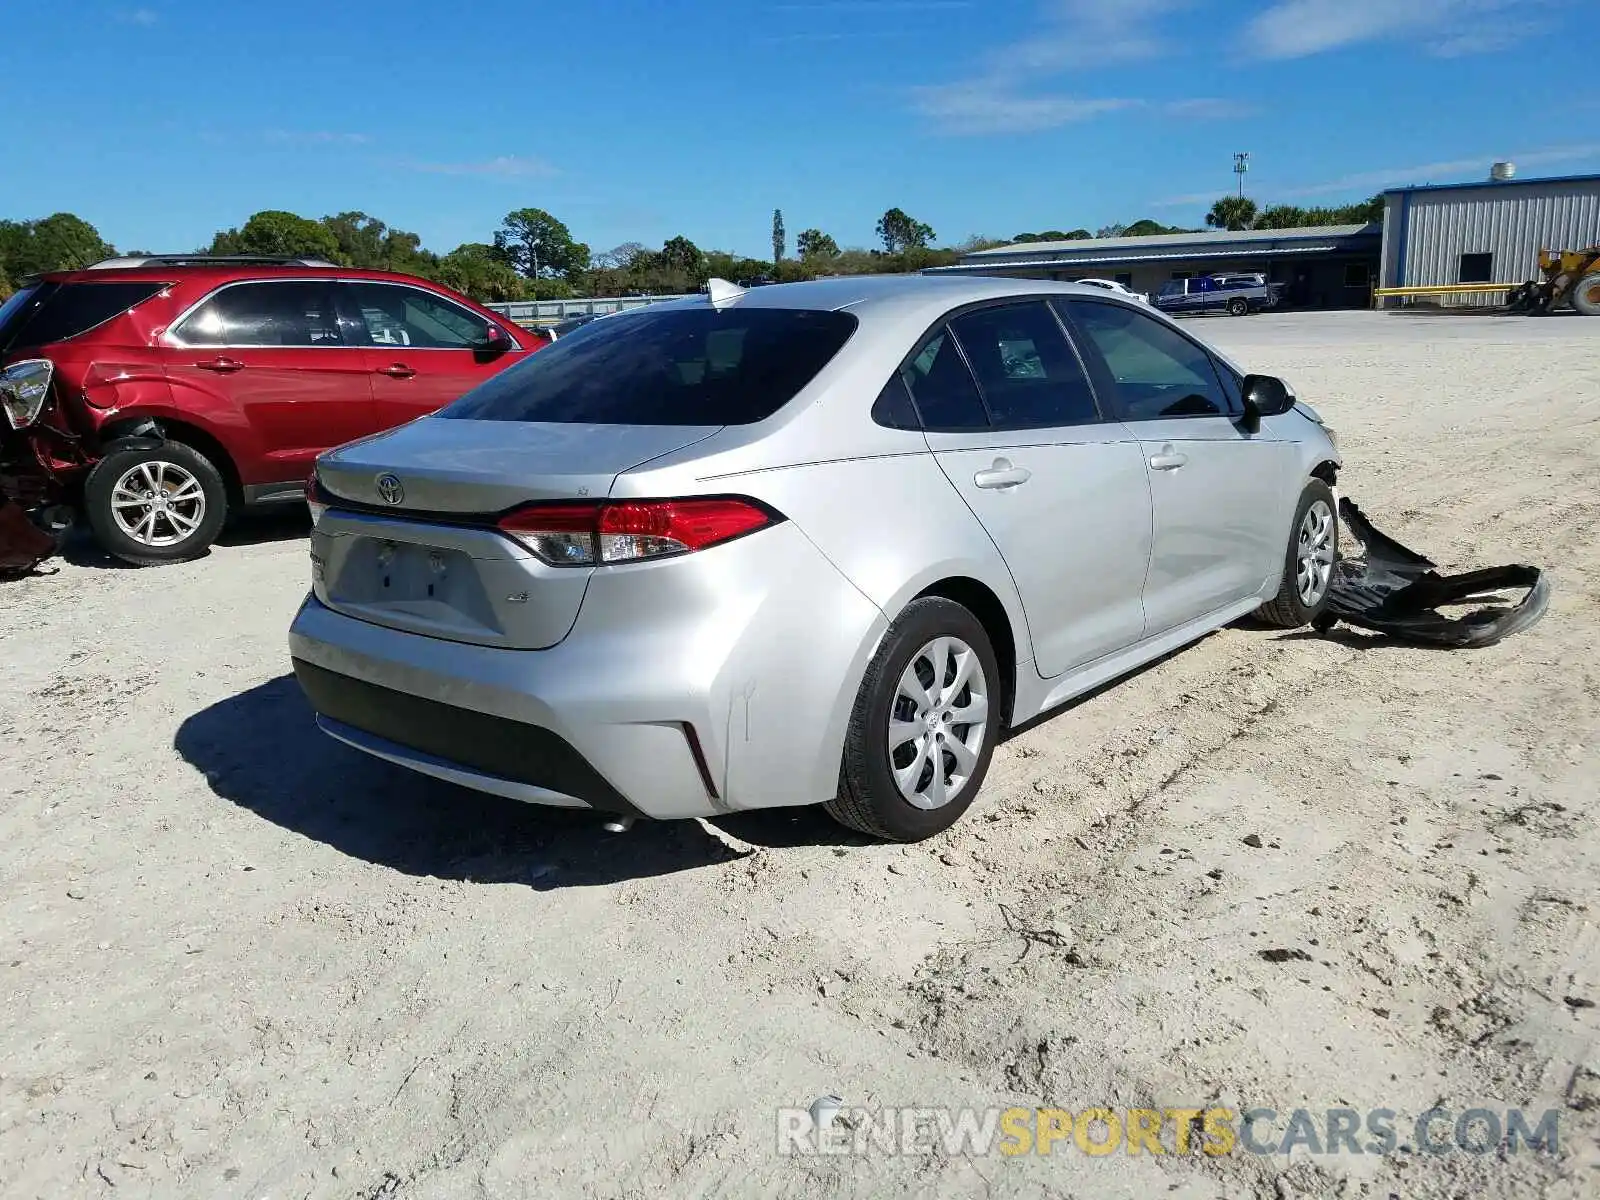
x=1308, y=562
x=1586, y=295
x=155, y=506
x=1238, y=307
x=934, y=666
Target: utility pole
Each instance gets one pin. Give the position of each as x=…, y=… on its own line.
x=1241, y=164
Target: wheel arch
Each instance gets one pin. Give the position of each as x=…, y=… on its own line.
x=982, y=602
x=190, y=435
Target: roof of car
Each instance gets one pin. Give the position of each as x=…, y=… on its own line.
x=173, y=268
x=893, y=295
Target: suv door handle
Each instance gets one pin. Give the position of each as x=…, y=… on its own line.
x=1002, y=475
x=1167, y=460
x=396, y=371
x=221, y=364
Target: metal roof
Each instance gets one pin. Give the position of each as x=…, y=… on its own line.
x=1122, y=259
x=1493, y=183
x=1215, y=237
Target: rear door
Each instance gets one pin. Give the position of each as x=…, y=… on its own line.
x=273, y=355
x=1218, y=492
x=423, y=350
x=1013, y=422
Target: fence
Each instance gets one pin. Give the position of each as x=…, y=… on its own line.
x=548, y=312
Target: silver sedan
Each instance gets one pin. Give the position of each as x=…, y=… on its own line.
x=811, y=543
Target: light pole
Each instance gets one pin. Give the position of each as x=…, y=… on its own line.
x=1241, y=164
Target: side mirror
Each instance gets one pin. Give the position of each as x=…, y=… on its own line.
x=1264, y=396
x=498, y=341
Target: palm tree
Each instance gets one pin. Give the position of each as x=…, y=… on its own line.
x=1232, y=212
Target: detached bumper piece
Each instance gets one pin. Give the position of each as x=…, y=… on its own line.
x=23, y=545
x=1398, y=592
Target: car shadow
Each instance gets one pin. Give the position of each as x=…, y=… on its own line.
x=261, y=750
x=251, y=529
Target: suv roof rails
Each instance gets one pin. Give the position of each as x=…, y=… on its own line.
x=207, y=260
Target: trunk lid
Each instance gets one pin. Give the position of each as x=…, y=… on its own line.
x=414, y=547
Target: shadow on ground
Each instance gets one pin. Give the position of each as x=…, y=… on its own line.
x=262, y=750
x=251, y=529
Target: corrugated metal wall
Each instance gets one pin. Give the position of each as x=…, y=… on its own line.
x=1510, y=221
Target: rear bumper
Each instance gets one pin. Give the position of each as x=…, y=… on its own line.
x=686, y=688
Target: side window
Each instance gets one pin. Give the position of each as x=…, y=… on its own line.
x=295, y=312
x=395, y=315
x=946, y=397
x=1028, y=372
x=1157, y=371
x=893, y=408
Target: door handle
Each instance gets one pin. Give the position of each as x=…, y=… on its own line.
x=1002, y=475
x=1168, y=460
x=396, y=371
x=221, y=364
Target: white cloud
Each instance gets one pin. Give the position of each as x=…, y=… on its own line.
x=506, y=166
x=1009, y=93
x=1448, y=28
x=982, y=107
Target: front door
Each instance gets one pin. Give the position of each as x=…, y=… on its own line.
x=1013, y=423
x=423, y=350
x=1217, y=491
x=269, y=364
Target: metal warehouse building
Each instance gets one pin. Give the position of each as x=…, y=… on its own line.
x=1485, y=232
x=1332, y=266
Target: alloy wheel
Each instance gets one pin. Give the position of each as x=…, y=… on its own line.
x=1314, y=553
x=938, y=720
x=158, y=504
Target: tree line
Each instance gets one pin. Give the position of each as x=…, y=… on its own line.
x=534, y=255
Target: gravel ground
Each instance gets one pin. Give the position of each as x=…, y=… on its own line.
x=1273, y=870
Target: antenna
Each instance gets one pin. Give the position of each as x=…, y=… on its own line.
x=1241, y=164
x=722, y=292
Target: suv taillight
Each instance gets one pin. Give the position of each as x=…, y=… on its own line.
x=620, y=531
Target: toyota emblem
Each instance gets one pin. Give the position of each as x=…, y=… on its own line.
x=390, y=489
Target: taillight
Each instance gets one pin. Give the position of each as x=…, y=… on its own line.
x=315, y=499
x=24, y=388
x=586, y=535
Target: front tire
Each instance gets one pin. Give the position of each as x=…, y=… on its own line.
x=1586, y=295
x=924, y=726
x=154, y=506
x=1308, y=563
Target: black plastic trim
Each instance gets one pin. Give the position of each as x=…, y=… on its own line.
x=482, y=742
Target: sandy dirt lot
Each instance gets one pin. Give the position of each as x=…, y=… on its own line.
x=1275, y=870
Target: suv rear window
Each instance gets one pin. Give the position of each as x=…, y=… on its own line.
x=70, y=309
x=686, y=366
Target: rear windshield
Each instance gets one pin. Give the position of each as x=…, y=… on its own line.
x=69, y=309
x=690, y=366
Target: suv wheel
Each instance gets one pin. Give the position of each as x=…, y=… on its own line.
x=151, y=506
x=923, y=728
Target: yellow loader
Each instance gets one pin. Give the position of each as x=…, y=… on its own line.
x=1568, y=275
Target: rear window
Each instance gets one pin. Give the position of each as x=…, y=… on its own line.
x=75, y=308
x=691, y=366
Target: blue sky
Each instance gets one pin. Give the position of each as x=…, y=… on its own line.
x=634, y=120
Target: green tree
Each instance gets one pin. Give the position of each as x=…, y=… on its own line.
x=474, y=269
x=540, y=246
x=814, y=244
x=60, y=242
x=1232, y=212
x=899, y=232
x=274, y=232
x=1281, y=216
x=780, y=237
x=1113, y=230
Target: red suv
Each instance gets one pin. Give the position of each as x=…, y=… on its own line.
x=163, y=394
